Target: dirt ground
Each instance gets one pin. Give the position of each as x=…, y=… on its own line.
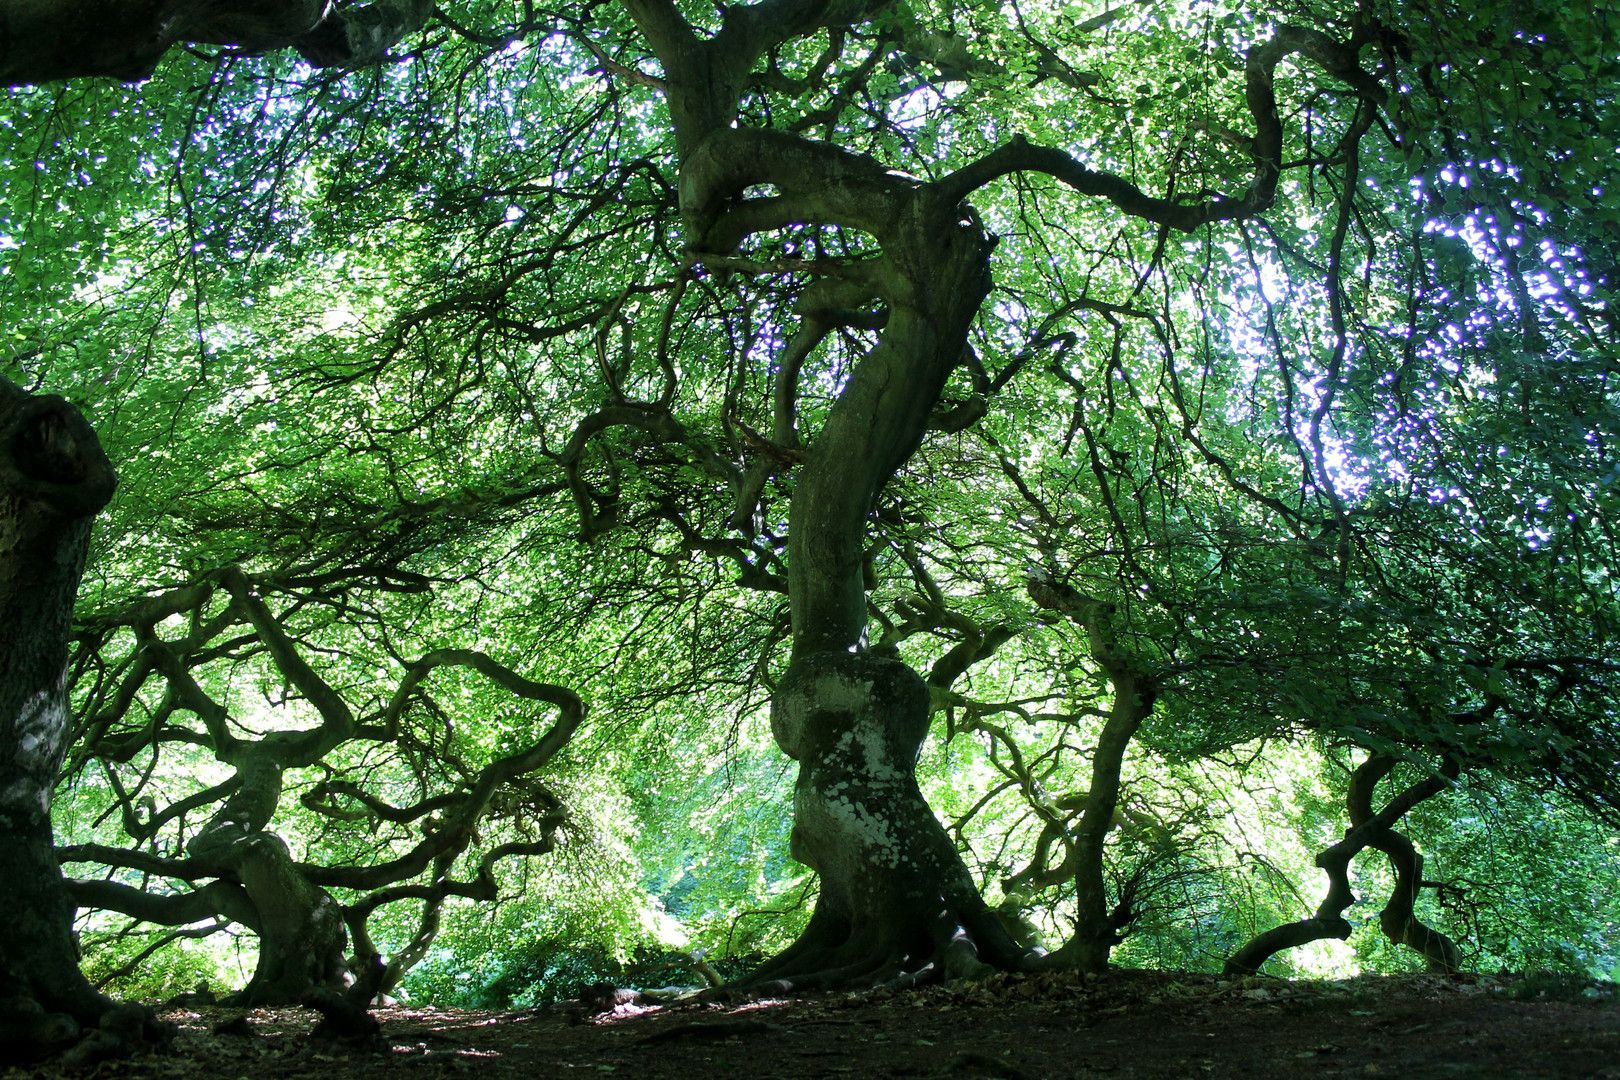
x=1125, y=1026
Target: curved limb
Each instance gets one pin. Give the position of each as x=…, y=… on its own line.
x=1135, y=689
x=1367, y=830
x=1398, y=920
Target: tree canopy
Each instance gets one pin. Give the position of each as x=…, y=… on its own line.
x=1125, y=456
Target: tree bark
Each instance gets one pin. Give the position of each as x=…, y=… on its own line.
x=897, y=904
x=54, y=478
x=1398, y=919
x=302, y=937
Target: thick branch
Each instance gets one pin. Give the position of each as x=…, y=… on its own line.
x=304, y=748
x=46, y=40
x=706, y=79
x=172, y=909
x=1020, y=155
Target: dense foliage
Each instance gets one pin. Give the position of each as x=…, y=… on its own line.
x=1270, y=504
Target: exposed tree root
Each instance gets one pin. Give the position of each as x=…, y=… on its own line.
x=124, y=1030
x=28, y=1032
x=343, y=1018
x=942, y=947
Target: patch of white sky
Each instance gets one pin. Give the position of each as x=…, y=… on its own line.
x=915, y=110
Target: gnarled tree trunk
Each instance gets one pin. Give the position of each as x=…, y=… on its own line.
x=897, y=904
x=302, y=938
x=896, y=901
x=54, y=478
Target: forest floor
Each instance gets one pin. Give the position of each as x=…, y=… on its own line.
x=1128, y=1025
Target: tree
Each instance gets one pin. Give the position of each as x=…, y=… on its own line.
x=249, y=873
x=1154, y=280
x=53, y=480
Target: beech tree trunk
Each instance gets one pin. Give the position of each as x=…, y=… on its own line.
x=896, y=901
x=897, y=905
x=302, y=937
x=54, y=478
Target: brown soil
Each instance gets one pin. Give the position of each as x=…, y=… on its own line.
x=1125, y=1026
